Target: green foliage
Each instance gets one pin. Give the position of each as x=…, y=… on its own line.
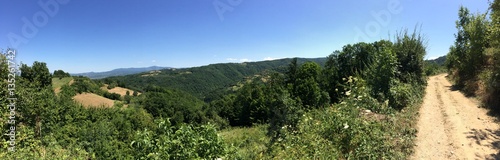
x=433, y=68
x=306, y=86
x=410, y=49
x=347, y=131
x=467, y=56
x=177, y=105
x=246, y=142
x=370, y=84
x=112, y=85
x=38, y=74
x=181, y=142
x=403, y=94
x=204, y=80
x=60, y=74
x=59, y=82
x=492, y=95
x=285, y=115
x=84, y=84
x=383, y=70
x=113, y=96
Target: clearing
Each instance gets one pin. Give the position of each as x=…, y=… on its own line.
x=452, y=126
x=119, y=90
x=57, y=83
x=93, y=100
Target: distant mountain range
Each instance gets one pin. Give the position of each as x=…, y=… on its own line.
x=118, y=72
x=440, y=60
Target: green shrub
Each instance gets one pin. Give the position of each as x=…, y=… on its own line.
x=182, y=142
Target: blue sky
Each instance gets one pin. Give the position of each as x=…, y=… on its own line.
x=100, y=35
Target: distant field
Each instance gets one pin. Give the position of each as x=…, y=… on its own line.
x=93, y=100
x=58, y=83
x=118, y=90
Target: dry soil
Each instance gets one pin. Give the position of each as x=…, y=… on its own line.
x=452, y=126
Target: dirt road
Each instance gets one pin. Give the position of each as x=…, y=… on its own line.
x=452, y=126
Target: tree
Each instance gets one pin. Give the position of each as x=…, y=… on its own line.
x=383, y=69
x=291, y=73
x=112, y=85
x=492, y=98
x=332, y=77
x=468, y=57
x=127, y=98
x=60, y=74
x=307, y=87
x=410, y=49
x=38, y=74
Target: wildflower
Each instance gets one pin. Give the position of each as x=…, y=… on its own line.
x=348, y=93
x=346, y=125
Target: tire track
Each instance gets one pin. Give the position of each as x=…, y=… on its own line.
x=452, y=126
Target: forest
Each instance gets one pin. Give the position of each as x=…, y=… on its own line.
x=361, y=88
x=360, y=102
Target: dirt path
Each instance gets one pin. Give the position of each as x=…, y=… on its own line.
x=451, y=126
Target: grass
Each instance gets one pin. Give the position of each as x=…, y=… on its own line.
x=246, y=143
x=93, y=100
x=119, y=90
x=58, y=83
x=341, y=131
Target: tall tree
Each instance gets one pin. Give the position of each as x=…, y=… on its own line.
x=38, y=74
x=410, y=49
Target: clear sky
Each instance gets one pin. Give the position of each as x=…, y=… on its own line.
x=100, y=35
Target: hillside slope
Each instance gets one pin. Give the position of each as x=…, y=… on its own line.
x=118, y=72
x=199, y=81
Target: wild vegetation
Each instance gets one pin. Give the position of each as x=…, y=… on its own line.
x=205, y=82
x=473, y=60
x=359, y=102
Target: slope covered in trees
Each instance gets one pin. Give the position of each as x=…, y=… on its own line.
x=118, y=72
x=348, y=105
x=204, y=80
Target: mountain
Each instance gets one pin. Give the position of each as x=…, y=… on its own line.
x=205, y=80
x=119, y=72
x=439, y=61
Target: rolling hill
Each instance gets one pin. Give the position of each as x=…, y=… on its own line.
x=118, y=72
x=200, y=81
x=439, y=61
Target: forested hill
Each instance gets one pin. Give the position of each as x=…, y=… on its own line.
x=199, y=81
x=439, y=61
x=118, y=72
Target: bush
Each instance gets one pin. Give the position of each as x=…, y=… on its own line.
x=400, y=95
x=113, y=96
x=183, y=142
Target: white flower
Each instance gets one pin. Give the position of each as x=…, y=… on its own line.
x=348, y=93
x=346, y=125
